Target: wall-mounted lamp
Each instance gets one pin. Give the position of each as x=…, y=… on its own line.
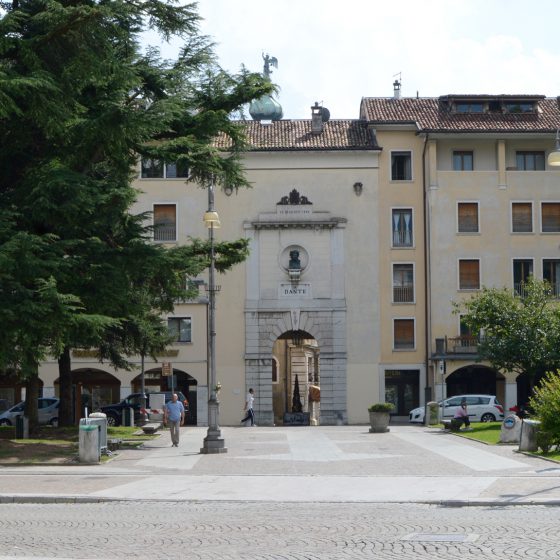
x=228, y=190
x=554, y=157
x=358, y=188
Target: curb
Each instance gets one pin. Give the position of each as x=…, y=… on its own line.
x=41, y=499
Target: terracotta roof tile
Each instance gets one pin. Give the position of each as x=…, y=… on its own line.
x=285, y=135
x=433, y=114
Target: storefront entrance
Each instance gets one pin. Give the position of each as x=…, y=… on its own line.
x=402, y=389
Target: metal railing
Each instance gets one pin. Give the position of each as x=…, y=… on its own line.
x=403, y=294
x=464, y=344
x=165, y=233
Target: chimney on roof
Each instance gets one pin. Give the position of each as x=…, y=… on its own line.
x=396, y=89
x=319, y=116
x=316, y=119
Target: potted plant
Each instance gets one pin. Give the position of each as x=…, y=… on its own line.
x=379, y=415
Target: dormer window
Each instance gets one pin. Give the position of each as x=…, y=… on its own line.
x=519, y=107
x=469, y=107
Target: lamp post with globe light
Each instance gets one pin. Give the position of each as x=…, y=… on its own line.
x=213, y=442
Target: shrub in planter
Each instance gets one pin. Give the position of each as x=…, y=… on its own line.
x=379, y=415
x=382, y=407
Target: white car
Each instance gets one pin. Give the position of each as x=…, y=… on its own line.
x=481, y=408
x=47, y=412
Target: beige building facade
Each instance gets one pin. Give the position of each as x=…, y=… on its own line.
x=362, y=235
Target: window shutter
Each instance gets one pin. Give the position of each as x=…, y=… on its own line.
x=551, y=216
x=404, y=333
x=468, y=217
x=522, y=217
x=164, y=214
x=469, y=275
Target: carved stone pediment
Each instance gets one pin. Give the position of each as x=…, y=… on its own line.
x=295, y=211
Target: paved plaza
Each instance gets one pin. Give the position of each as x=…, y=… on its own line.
x=302, y=464
x=289, y=493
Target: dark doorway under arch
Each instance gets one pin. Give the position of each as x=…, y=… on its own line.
x=182, y=381
x=475, y=379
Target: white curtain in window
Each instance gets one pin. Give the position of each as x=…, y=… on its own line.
x=408, y=232
x=396, y=219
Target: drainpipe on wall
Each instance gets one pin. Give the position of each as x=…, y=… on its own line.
x=427, y=277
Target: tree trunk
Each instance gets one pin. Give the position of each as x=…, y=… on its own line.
x=65, y=410
x=31, y=401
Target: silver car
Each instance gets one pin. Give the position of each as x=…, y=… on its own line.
x=47, y=412
x=481, y=408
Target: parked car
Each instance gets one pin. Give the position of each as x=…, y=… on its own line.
x=47, y=412
x=114, y=412
x=481, y=408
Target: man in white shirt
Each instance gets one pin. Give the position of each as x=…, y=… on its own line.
x=250, y=415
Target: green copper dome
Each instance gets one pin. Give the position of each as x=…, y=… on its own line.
x=265, y=109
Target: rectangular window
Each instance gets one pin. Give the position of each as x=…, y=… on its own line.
x=152, y=168
x=176, y=170
x=522, y=269
x=179, y=328
x=403, y=283
x=403, y=334
x=165, y=222
x=469, y=107
x=155, y=169
x=402, y=227
x=551, y=273
x=469, y=274
x=467, y=217
x=462, y=161
x=519, y=107
x=530, y=161
x=401, y=166
x=521, y=217
x=550, y=220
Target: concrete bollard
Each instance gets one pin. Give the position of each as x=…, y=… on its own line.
x=529, y=429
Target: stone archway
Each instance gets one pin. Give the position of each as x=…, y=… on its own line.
x=476, y=379
x=182, y=381
x=296, y=357
x=92, y=388
x=327, y=328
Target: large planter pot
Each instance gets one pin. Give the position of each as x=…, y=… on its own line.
x=379, y=422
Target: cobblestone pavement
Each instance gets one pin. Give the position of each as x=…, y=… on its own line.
x=235, y=530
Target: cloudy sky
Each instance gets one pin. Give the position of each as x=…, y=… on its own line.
x=337, y=52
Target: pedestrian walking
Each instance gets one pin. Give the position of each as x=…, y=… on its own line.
x=248, y=408
x=174, y=416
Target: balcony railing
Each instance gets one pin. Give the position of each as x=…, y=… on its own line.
x=165, y=233
x=403, y=294
x=465, y=344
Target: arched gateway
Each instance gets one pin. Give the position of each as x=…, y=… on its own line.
x=295, y=292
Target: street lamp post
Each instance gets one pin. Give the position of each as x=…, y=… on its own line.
x=213, y=442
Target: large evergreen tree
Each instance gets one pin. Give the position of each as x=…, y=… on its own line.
x=79, y=103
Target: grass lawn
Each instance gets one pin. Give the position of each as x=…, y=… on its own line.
x=489, y=432
x=56, y=445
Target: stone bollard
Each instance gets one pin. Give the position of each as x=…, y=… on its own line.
x=529, y=429
x=433, y=413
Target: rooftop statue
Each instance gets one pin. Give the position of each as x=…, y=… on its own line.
x=266, y=108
